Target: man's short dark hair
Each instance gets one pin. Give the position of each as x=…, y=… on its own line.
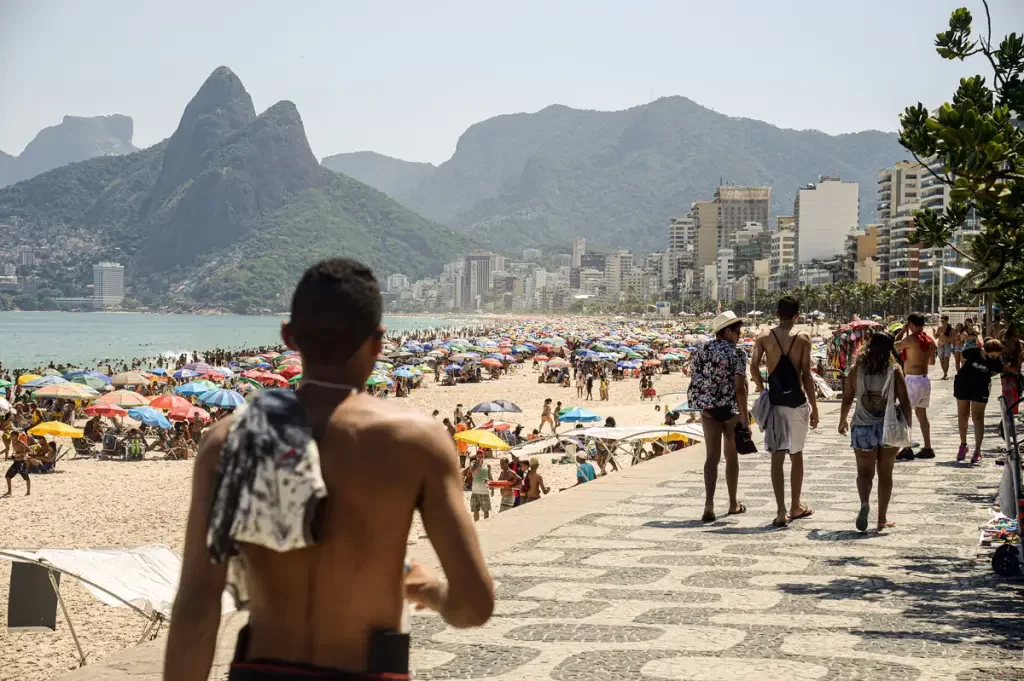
x=788, y=308
x=916, y=318
x=335, y=308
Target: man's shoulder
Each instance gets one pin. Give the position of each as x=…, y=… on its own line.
x=398, y=423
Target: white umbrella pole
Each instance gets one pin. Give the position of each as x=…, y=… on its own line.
x=67, y=618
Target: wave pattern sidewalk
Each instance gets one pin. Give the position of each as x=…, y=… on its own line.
x=643, y=590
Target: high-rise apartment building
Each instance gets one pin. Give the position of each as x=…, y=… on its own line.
x=899, y=194
x=476, y=281
x=682, y=232
x=739, y=205
x=785, y=222
x=783, y=252
x=618, y=267
x=579, y=249
x=824, y=213
x=594, y=261
x=705, y=215
x=750, y=243
x=107, y=285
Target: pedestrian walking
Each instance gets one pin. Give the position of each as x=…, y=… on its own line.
x=875, y=381
x=788, y=407
x=718, y=388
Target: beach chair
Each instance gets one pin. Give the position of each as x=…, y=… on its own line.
x=83, y=448
x=111, y=446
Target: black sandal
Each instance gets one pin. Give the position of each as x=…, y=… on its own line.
x=708, y=517
x=741, y=509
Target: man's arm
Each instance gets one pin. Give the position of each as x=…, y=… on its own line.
x=451, y=534
x=807, y=379
x=755, y=364
x=196, y=615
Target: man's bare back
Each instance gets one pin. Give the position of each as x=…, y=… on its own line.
x=797, y=345
x=319, y=605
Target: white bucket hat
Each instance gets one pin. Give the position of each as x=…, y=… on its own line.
x=727, y=318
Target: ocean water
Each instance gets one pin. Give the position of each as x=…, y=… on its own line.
x=30, y=339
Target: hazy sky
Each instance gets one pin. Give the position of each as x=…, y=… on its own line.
x=407, y=77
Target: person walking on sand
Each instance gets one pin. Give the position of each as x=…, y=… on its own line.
x=19, y=466
x=918, y=353
x=944, y=344
x=873, y=378
x=535, y=481
x=324, y=565
x=718, y=387
x=792, y=404
x=545, y=417
x=508, y=494
x=480, y=493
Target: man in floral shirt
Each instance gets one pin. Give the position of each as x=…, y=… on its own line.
x=718, y=387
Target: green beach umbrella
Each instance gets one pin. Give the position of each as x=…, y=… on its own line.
x=295, y=379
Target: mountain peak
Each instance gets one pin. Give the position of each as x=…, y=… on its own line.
x=221, y=107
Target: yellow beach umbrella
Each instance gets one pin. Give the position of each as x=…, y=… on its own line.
x=25, y=378
x=56, y=429
x=482, y=438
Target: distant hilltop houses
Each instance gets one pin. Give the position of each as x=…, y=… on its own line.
x=723, y=249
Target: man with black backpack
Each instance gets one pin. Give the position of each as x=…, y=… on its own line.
x=792, y=404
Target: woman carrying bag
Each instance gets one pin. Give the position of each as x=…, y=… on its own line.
x=879, y=429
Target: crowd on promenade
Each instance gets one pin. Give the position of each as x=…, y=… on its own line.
x=888, y=381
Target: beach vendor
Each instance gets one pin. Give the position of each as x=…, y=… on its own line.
x=326, y=586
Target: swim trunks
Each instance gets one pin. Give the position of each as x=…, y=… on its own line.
x=19, y=467
x=479, y=502
x=944, y=351
x=919, y=390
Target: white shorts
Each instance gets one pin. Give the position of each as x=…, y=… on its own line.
x=799, y=421
x=919, y=390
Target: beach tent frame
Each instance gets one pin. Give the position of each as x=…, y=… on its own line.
x=154, y=619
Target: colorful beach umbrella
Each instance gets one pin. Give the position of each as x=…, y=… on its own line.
x=150, y=417
x=189, y=414
x=131, y=378
x=578, y=415
x=169, y=402
x=69, y=391
x=56, y=429
x=482, y=438
x=124, y=398
x=42, y=382
x=195, y=388
x=225, y=399
x=103, y=409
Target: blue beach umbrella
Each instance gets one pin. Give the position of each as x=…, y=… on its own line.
x=150, y=417
x=403, y=373
x=184, y=374
x=158, y=371
x=226, y=399
x=44, y=381
x=195, y=388
x=578, y=415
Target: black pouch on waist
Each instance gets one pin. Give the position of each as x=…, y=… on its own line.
x=389, y=652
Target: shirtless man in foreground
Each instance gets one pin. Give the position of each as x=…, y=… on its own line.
x=312, y=610
x=791, y=388
x=919, y=354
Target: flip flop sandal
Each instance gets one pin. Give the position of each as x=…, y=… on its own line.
x=742, y=509
x=806, y=512
x=708, y=517
x=862, y=518
x=779, y=523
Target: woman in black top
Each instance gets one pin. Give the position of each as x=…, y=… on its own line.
x=971, y=389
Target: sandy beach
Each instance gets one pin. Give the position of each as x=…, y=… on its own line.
x=90, y=504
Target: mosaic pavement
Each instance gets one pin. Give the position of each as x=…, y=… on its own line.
x=643, y=590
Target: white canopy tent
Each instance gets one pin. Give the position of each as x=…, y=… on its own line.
x=144, y=579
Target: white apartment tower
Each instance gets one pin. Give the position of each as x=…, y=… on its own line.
x=824, y=213
x=107, y=285
x=899, y=195
x=579, y=249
